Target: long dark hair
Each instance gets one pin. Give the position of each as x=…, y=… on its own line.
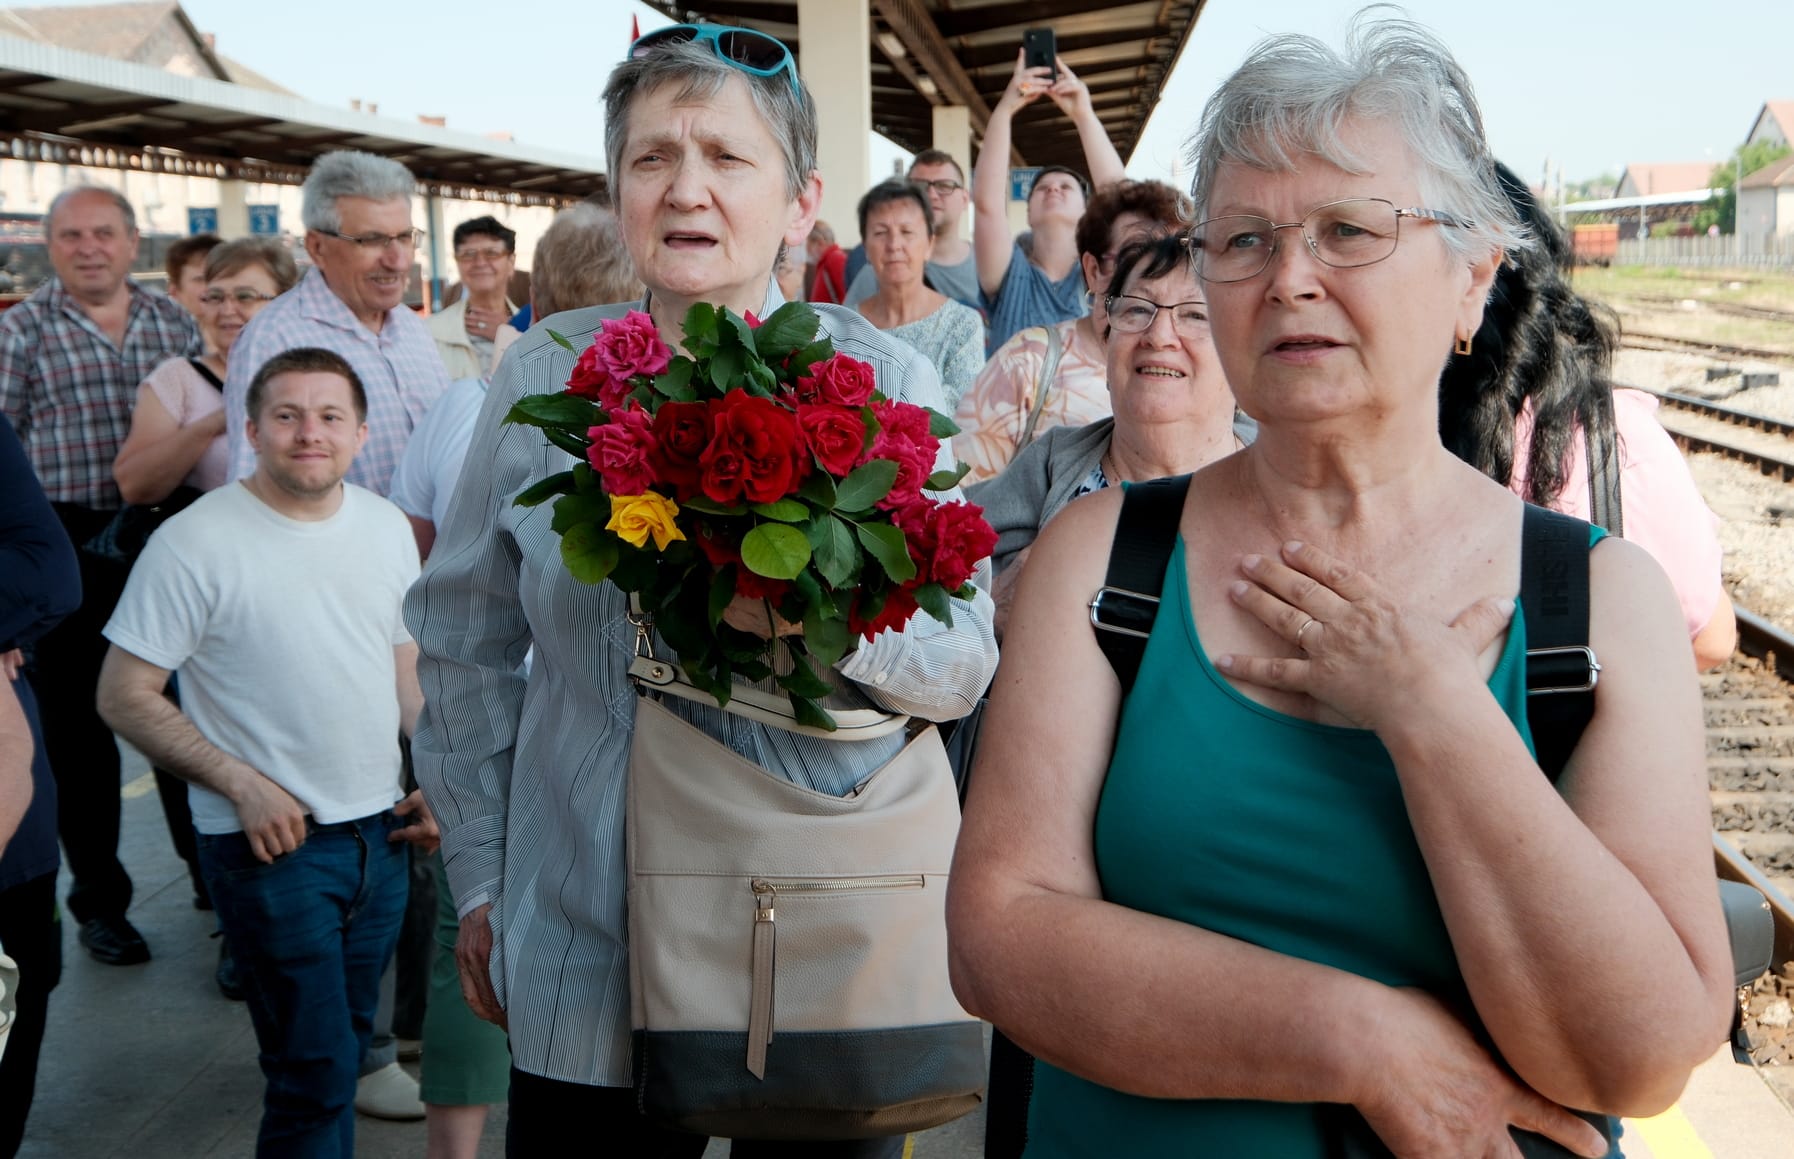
x=1540, y=341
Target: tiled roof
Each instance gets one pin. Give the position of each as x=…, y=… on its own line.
x=1668, y=177
x=1775, y=173
x=111, y=30
x=1782, y=113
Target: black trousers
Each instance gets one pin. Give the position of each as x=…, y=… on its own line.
x=65, y=674
x=550, y=1118
x=32, y=934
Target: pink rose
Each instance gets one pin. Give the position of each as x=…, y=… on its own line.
x=591, y=380
x=631, y=345
x=622, y=451
x=903, y=437
x=840, y=380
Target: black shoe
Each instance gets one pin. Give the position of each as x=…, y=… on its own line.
x=229, y=984
x=114, y=941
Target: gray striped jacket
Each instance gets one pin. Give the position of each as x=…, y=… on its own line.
x=526, y=774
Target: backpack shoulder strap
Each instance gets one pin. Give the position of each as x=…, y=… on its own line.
x=1604, y=481
x=1127, y=604
x=1560, y=666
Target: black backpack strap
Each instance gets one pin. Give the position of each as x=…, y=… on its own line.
x=1560, y=666
x=1126, y=605
x=1604, y=480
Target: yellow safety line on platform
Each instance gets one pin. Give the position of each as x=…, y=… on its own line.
x=137, y=788
x=1670, y=1135
x=909, y=1147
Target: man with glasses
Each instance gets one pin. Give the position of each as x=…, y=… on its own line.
x=472, y=333
x=952, y=270
x=358, y=234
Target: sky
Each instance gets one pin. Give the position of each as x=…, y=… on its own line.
x=1588, y=85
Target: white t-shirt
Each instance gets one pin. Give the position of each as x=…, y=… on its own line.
x=283, y=634
x=425, y=480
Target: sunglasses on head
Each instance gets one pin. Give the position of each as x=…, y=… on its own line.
x=750, y=51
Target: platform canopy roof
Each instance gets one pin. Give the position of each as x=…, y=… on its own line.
x=62, y=106
x=962, y=52
x=1648, y=201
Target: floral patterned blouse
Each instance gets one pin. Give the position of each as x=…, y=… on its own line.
x=993, y=414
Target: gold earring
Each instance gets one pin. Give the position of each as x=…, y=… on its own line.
x=1462, y=346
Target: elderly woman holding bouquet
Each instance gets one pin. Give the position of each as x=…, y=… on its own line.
x=711, y=142
x=1310, y=892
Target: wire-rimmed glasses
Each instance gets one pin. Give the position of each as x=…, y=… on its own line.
x=1358, y=231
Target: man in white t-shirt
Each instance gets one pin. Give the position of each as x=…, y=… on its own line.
x=278, y=599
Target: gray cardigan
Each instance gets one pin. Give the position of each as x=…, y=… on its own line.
x=1043, y=477
x=1038, y=483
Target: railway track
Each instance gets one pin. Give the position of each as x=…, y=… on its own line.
x=1749, y=708
x=1641, y=340
x=1767, y=443
x=1735, y=309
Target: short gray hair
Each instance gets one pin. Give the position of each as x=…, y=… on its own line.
x=1294, y=94
x=700, y=74
x=349, y=173
x=106, y=191
x=580, y=261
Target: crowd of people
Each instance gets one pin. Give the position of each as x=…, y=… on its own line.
x=1295, y=884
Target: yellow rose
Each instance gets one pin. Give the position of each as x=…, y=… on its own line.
x=636, y=517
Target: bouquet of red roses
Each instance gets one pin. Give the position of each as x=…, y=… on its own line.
x=763, y=465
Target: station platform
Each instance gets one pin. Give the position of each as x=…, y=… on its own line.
x=151, y=1062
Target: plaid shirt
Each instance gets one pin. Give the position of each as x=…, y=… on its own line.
x=398, y=367
x=69, y=391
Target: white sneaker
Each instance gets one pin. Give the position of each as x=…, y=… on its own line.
x=389, y=1093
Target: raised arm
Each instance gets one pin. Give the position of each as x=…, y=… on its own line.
x=992, y=243
x=1101, y=160
x=1119, y=996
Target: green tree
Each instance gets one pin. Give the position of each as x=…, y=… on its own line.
x=1723, y=209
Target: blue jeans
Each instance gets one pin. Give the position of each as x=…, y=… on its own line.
x=311, y=934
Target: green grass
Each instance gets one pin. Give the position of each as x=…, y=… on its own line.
x=1753, y=287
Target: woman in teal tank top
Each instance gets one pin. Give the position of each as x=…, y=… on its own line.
x=1307, y=893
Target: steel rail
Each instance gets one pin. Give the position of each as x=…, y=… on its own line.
x=1772, y=644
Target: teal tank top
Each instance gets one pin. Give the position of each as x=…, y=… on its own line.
x=1292, y=835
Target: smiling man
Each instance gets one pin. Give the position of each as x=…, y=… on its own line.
x=359, y=236
x=278, y=601
x=71, y=357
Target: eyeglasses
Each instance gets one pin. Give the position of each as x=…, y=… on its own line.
x=243, y=298
x=489, y=253
x=1358, y=231
x=750, y=51
x=1129, y=314
x=943, y=187
x=379, y=241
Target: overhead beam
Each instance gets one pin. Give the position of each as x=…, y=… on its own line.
x=914, y=26
x=772, y=13
x=990, y=55
x=58, y=119
x=200, y=129
x=23, y=80
x=970, y=21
